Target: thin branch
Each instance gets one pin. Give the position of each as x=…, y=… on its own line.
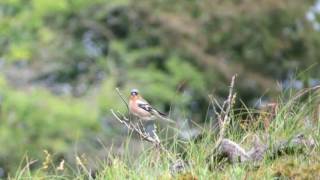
x=27, y=166
x=225, y=114
x=123, y=99
x=121, y=96
x=214, y=102
x=217, y=103
x=154, y=139
x=144, y=135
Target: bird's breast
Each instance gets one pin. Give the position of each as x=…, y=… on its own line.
x=137, y=111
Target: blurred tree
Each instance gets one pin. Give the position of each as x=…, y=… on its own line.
x=175, y=52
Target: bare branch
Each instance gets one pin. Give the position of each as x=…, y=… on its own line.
x=140, y=130
x=122, y=98
x=224, y=117
x=214, y=102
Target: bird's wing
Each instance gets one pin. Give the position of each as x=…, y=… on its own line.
x=144, y=105
x=147, y=107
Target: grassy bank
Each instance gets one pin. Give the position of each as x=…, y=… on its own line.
x=297, y=115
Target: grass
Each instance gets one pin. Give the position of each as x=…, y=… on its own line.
x=292, y=117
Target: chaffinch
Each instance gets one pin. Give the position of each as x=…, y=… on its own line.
x=142, y=109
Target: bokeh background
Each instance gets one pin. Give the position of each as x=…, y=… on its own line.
x=61, y=60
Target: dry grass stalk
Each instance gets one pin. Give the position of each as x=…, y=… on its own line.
x=225, y=110
x=81, y=161
x=224, y=120
x=61, y=165
x=268, y=113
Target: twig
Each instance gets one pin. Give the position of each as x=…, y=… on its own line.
x=214, y=102
x=124, y=101
x=27, y=166
x=224, y=121
x=154, y=139
x=142, y=133
x=122, y=98
x=224, y=118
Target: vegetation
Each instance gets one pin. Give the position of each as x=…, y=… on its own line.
x=61, y=61
x=290, y=120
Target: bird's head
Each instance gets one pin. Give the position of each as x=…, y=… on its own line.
x=134, y=93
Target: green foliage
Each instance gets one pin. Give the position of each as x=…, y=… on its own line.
x=160, y=85
x=270, y=40
x=108, y=98
x=34, y=121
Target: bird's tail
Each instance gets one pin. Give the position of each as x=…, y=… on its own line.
x=163, y=116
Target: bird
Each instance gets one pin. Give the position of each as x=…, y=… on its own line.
x=140, y=108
